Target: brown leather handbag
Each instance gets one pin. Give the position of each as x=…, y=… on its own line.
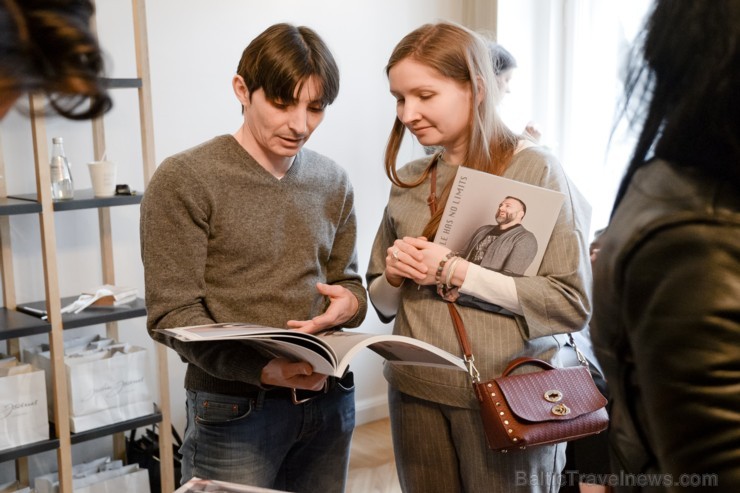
x=543, y=407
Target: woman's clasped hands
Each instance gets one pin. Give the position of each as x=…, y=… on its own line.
x=412, y=258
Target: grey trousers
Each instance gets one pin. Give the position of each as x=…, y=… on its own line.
x=442, y=449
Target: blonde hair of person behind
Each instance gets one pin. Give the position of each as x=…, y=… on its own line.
x=460, y=54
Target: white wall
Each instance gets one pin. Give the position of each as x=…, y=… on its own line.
x=570, y=55
x=194, y=49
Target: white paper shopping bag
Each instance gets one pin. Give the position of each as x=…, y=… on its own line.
x=23, y=411
x=130, y=480
x=14, y=487
x=105, y=385
x=111, y=382
x=99, y=476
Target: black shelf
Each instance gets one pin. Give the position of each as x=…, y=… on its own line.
x=123, y=83
x=89, y=316
x=15, y=324
x=84, y=199
x=75, y=438
x=28, y=449
x=10, y=206
x=104, y=431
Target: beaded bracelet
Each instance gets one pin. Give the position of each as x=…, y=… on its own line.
x=438, y=274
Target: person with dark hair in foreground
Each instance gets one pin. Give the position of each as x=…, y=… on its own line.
x=48, y=46
x=666, y=324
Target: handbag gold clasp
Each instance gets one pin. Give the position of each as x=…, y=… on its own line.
x=560, y=410
x=553, y=396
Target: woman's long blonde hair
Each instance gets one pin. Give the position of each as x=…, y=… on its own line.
x=459, y=54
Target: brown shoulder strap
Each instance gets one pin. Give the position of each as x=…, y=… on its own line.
x=432, y=199
x=457, y=321
x=462, y=335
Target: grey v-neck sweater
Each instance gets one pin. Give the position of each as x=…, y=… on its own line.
x=223, y=240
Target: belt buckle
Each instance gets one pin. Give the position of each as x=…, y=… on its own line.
x=296, y=400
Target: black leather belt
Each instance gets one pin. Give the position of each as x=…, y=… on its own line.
x=300, y=396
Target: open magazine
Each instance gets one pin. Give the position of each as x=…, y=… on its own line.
x=328, y=352
x=197, y=485
x=500, y=224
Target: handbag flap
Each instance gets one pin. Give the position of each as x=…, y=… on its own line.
x=552, y=395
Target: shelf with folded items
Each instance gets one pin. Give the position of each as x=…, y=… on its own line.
x=91, y=315
x=28, y=449
x=14, y=324
x=84, y=199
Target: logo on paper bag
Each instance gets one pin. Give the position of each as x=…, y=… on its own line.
x=111, y=389
x=9, y=409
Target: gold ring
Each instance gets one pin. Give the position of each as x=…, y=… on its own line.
x=395, y=254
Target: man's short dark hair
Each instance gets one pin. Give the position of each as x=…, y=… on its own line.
x=282, y=58
x=524, y=206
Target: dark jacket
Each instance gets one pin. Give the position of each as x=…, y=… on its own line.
x=666, y=329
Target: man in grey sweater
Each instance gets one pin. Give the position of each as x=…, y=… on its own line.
x=251, y=227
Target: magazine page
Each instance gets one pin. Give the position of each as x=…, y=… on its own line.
x=498, y=223
x=286, y=343
x=319, y=357
x=329, y=352
x=197, y=485
x=214, y=332
x=394, y=348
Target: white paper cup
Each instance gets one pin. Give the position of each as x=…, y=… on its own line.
x=103, y=176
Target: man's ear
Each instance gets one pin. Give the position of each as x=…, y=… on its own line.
x=240, y=90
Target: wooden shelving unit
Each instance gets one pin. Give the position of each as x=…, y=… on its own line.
x=18, y=320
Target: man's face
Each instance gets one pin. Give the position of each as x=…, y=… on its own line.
x=510, y=212
x=279, y=128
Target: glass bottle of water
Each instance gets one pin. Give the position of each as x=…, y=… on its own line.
x=62, y=186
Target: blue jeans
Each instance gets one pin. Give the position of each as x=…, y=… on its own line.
x=270, y=442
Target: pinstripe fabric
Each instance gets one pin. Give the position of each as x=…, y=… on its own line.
x=441, y=449
x=557, y=300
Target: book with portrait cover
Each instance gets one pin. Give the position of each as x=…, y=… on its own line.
x=499, y=223
x=329, y=352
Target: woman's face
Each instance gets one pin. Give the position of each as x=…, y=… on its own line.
x=435, y=108
x=503, y=80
